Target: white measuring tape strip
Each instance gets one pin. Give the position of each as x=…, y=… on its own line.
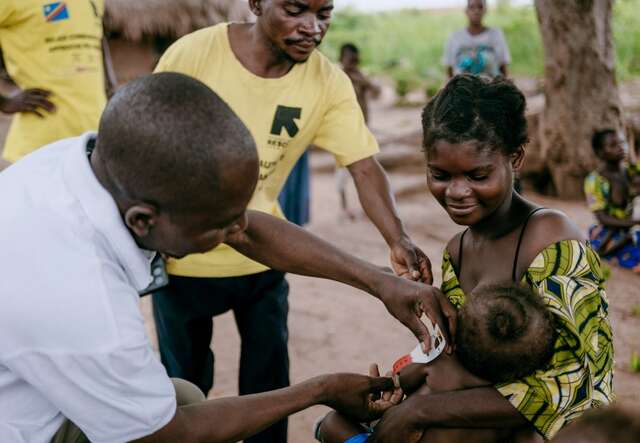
x=417, y=356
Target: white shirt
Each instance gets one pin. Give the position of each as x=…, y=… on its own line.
x=72, y=337
x=483, y=53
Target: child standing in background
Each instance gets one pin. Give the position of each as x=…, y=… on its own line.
x=477, y=49
x=350, y=62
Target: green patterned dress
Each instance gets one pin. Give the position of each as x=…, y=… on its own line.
x=568, y=277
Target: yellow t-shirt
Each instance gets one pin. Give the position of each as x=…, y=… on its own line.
x=54, y=45
x=314, y=103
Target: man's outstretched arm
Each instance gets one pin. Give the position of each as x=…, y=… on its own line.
x=286, y=247
x=378, y=202
x=236, y=418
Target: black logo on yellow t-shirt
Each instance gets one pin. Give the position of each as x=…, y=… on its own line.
x=95, y=8
x=286, y=118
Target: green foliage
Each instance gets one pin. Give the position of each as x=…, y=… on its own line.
x=408, y=44
x=626, y=32
x=635, y=362
x=635, y=310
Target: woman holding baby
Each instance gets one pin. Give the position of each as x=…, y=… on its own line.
x=474, y=137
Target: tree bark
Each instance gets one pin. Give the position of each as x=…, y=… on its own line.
x=580, y=87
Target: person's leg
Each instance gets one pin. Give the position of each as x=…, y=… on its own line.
x=264, y=357
x=342, y=179
x=69, y=433
x=295, y=195
x=186, y=394
x=334, y=428
x=183, y=314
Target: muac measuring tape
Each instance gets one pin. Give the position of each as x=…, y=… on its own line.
x=417, y=355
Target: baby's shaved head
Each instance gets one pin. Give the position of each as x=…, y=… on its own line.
x=169, y=140
x=505, y=332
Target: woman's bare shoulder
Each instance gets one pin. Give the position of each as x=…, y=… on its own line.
x=553, y=226
x=547, y=227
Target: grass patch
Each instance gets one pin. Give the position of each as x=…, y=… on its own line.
x=635, y=363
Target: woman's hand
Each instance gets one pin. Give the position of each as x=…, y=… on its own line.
x=398, y=425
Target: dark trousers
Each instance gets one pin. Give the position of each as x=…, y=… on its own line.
x=183, y=313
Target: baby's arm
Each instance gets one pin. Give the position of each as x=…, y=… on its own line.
x=445, y=373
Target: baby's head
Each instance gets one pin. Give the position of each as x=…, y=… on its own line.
x=475, y=131
x=504, y=332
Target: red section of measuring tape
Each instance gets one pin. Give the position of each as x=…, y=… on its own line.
x=401, y=363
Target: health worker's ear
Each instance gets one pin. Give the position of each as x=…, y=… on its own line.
x=141, y=218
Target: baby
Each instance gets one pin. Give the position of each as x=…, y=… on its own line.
x=504, y=333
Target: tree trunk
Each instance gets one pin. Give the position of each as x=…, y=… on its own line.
x=580, y=87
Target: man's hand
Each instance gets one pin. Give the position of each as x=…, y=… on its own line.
x=360, y=397
x=408, y=261
x=398, y=425
x=407, y=301
x=33, y=101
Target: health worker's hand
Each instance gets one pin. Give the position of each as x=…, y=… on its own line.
x=360, y=397
x=408, y=261
x=407, y=301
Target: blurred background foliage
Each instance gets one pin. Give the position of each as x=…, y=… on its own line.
x=407, y=45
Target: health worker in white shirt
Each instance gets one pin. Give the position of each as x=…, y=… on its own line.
x=172, y=170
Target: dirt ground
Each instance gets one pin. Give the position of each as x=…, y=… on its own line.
x=335, y=328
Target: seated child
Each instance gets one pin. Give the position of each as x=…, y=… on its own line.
x=504, y=332
x=610, y=192
x=635, y=206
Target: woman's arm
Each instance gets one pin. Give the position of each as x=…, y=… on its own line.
x=469, y=408
x=613, y=222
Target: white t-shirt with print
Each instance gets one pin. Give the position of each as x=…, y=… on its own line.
x=484, y=53
x=72, y=337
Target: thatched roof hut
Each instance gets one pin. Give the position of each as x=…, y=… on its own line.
x=140, y=30
x=135, y=19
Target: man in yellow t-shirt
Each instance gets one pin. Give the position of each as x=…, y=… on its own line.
x=289, y=96
x=53, y=51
